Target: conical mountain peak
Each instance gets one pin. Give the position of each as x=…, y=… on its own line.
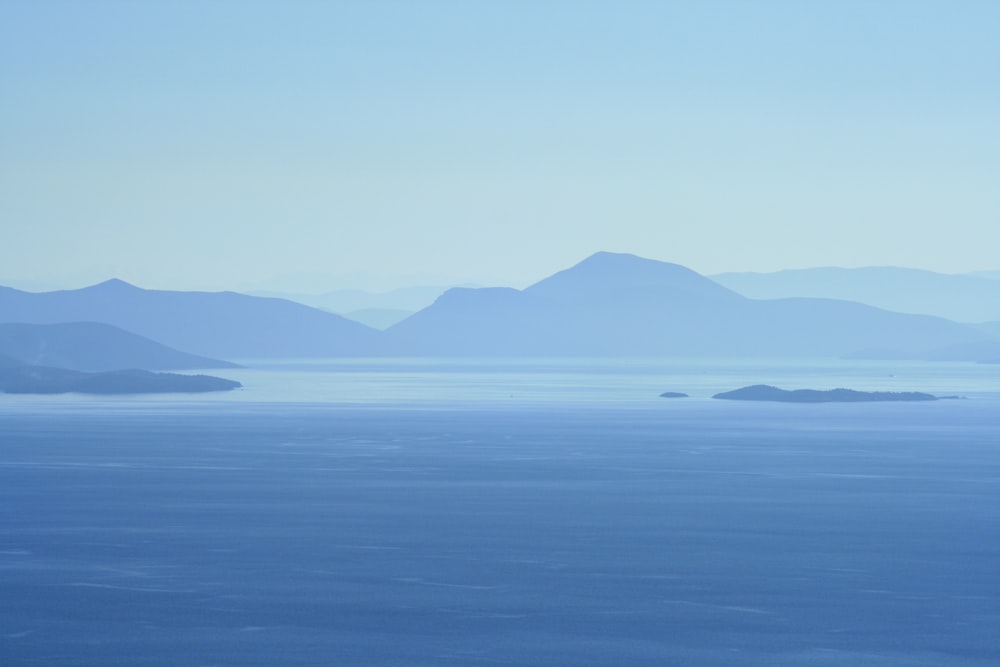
x=622, y=274
x=113, y=284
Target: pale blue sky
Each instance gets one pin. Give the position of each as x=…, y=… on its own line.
x=219, y=144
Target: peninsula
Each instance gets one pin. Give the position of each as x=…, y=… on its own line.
x=44, y=380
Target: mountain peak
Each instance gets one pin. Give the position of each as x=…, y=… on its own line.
x=620, y=275
x=114, y=284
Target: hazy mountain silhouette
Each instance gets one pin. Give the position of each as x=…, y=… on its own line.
x=93, y=346
x=44, y=380
x=613, y=305
x=963, y=298
x=345, y=301
x=378, y=318
x=217, y=324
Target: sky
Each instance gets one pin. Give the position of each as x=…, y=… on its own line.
x=315, y=145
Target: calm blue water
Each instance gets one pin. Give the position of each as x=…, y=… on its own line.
x=555, y=513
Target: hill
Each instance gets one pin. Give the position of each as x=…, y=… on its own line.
x=623, y=305
x=963, y=298
x=93, y=346
x=214, y=324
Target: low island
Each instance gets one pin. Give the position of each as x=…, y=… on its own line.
x=673, y=394
x=763, y=392
x=24, y=379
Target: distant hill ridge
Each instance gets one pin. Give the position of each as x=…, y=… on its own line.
x=215, y=324
x=963, y=298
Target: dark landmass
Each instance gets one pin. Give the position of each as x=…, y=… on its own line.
x=763, y=392
x=93, y=347
x=673, y=394
x=43, y=380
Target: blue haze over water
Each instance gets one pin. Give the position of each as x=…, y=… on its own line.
x=421, y=512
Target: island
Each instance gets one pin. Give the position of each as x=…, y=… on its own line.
x=673, y=394
x=763, y=392
x=24, y=379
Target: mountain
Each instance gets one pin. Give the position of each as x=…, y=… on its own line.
x=378, y=318
x=43, y=380
x=615, y=305
x=214, y=324
x=92, y=346
x=963, y=298
x=345, y=301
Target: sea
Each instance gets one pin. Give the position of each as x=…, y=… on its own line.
x=412, y=512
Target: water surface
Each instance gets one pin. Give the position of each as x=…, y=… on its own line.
x=454, y=524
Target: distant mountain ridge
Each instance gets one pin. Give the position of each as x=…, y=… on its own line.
x=378, y=318
x=616, y=304
x=609, y=305
x=214, y=324
x=344, y=301
x=962, y=298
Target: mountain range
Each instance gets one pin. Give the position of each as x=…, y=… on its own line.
x=607, y=305
x=618, y=304
x=214, y=324
x=963, y=298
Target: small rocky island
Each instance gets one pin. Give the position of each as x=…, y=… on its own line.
x=673, y=394
x=25, y=379
x=763, y=392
